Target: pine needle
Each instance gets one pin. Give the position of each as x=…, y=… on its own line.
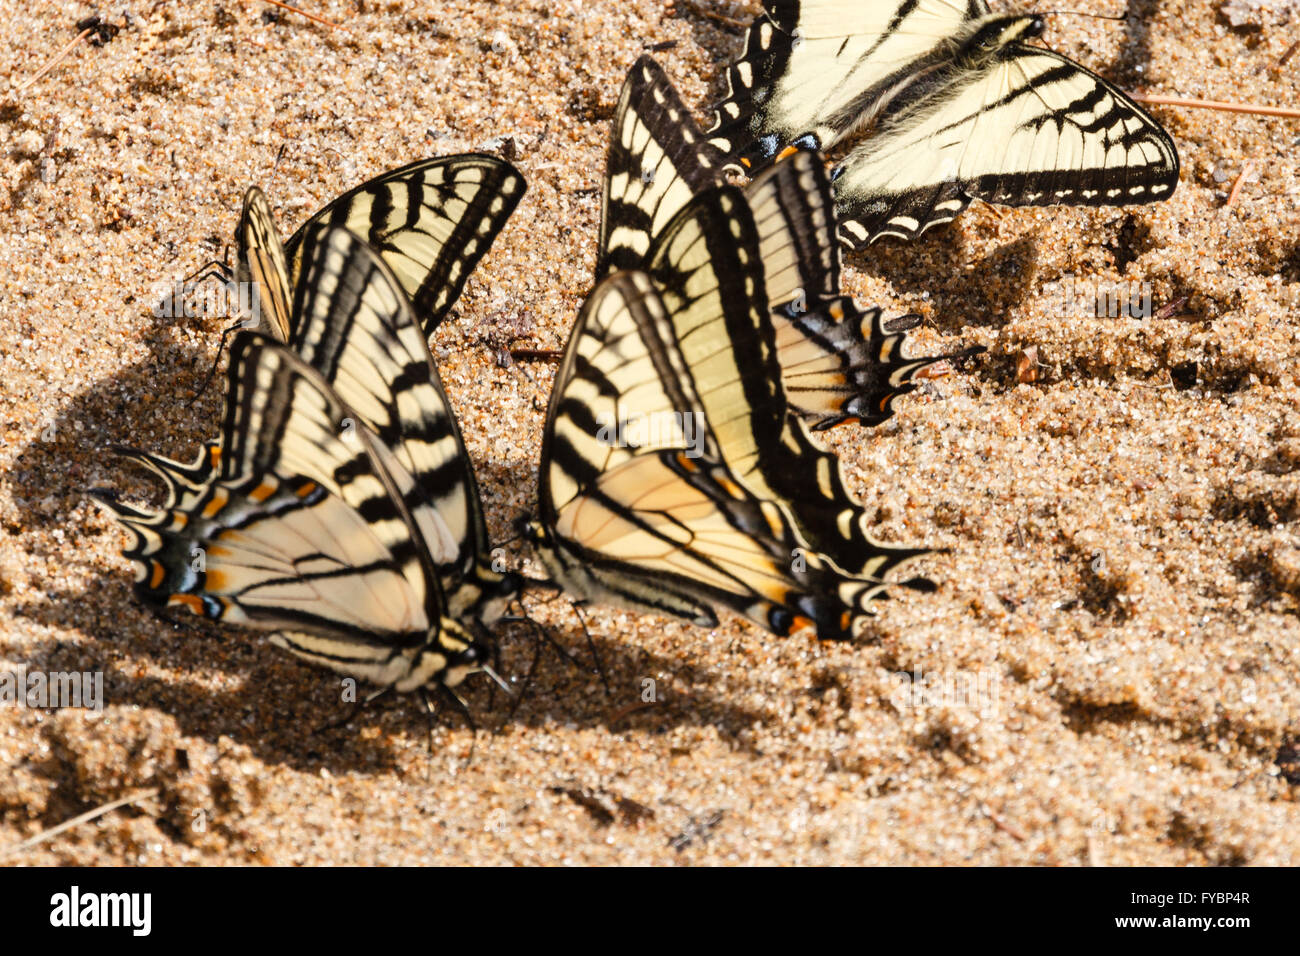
x=310, y=16
x=57, y=58
x=77, y=821
x=1246, y=170
x=1217, y=105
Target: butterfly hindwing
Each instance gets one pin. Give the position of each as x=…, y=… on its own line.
x=710, y=273
x=1035, y=129
x=297, y=528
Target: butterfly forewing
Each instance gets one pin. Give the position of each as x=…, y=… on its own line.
x=431, y=221
x=658, y=159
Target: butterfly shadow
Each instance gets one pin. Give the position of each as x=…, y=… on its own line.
x=152, y=403
x=938, y=267
x=1127, y=68
x=594, y=677
x=227, y=682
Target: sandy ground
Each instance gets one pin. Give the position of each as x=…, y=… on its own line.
x=1107, y=675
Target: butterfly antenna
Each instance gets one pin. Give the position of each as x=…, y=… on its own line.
x=215, y=362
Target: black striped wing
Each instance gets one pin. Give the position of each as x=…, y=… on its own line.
x=353, y=323
x=658, y=159
x=836, y=364
x=638, y=509
x=819, y=67
x=708, y=268
x=431, y=221
x=1034, y=129
x=294, y=523
x=937, y=127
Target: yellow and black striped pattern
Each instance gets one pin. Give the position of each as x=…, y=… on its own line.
x=431, y=222
x=946, y=102
x=337, y=502
x=666, y=526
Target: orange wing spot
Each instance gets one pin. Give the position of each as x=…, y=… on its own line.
x=788, y=151
x=195, y=604
x=744, y=162
x=305, y=489
x=216, y=551
x=686, y=463
x=214, y=455
x=851, y=420
x=179, y=520
x=800, y=622
x=219, y=499
x=837, y=311
x=846, y=619
x=730, y=487
x=774, y=521
x=214, y=581
x=263, y=491
x=157, y=576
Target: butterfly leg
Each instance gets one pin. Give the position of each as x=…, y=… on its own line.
x=458, y=703
x=528, y=683
x=212, y=269
x=595, y=655
x=357, y=708
x=225, y=334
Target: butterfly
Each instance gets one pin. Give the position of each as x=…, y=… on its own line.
x=666, y=418
x=945, y=102
x=431, y=221
x=337, y=508
x=839, y=363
